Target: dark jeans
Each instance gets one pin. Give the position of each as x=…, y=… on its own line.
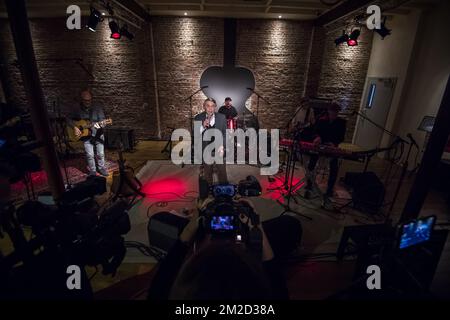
x=332, y=177
x=208, y=170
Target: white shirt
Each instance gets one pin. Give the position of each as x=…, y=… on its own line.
x=212, y=121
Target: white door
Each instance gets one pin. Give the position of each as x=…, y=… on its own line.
x=376, y=104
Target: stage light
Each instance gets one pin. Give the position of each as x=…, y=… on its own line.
x=114, y=27
x=341, y=39
x=124, y=31
x=383, y=32
x=279, y=17
x=94, y=19
x=185, y=13
x=353, y=38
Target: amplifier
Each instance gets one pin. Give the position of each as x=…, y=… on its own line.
x=368, y=191
x=116, y=135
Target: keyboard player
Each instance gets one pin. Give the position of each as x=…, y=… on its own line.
x=328, y=130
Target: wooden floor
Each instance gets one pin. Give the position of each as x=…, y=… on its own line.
x=124, y=285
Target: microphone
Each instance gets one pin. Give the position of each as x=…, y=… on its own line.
x=208, y=118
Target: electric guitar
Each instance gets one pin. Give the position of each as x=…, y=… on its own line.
x=85, y=127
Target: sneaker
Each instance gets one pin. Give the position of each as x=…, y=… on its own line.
x=103, y=172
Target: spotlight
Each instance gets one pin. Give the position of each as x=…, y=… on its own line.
x=114, y=27
x=341, y=39
x=279, y=17
x=353, y=38
x=383, y=31
x=94, y=19
x=124, y=31
x=185, y=13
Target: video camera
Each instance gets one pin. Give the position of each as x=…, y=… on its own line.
x=223, y=216
x=73, y=232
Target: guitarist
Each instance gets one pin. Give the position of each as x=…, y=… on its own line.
x=93, y=113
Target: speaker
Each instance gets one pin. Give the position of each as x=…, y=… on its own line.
x=368, y=191
x=92, y=186
x=163, y=230
x=115, y=135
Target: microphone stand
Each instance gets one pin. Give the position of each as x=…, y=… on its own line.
x=257, y=100
x=190, y=104
x=362, y=115
x=191, y=118
x=405, y=164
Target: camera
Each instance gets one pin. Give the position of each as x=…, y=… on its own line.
x=75, y=231
x=223, y=216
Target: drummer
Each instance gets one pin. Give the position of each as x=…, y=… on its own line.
x=230, y=113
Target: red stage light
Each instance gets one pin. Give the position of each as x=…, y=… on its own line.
x=115, y=35
x=277, y=188
x=166, y=188
x=352, y=43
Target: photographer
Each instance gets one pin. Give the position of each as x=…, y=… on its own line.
x=221, y=269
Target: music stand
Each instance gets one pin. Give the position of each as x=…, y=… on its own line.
x=427, y=124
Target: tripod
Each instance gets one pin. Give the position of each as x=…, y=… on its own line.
x=168, y=147
x=289, y=177
x=128, y=184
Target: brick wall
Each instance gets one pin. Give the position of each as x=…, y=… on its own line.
x=343, y=73
x=276, y=51
x=185, y=47
x=122, y=72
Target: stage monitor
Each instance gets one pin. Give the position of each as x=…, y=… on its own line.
x=416, y=232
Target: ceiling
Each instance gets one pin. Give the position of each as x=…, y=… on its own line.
x=286, y=9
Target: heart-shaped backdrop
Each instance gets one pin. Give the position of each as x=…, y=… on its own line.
x=230, y=82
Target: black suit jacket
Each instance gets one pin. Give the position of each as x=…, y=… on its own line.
x=220, y=122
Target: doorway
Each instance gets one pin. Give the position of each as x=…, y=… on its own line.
x=376, y=105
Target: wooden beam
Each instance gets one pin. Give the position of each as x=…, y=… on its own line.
x=340, y=10
x=268, y=6
x=135, y=8
x=21, y=34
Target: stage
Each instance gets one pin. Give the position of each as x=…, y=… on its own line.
x=173, y=188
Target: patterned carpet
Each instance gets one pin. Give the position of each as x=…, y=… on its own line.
x=76, y=172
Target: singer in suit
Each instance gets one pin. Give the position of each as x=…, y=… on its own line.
x=211, y=119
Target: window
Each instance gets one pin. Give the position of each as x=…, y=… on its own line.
x=371, y=96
